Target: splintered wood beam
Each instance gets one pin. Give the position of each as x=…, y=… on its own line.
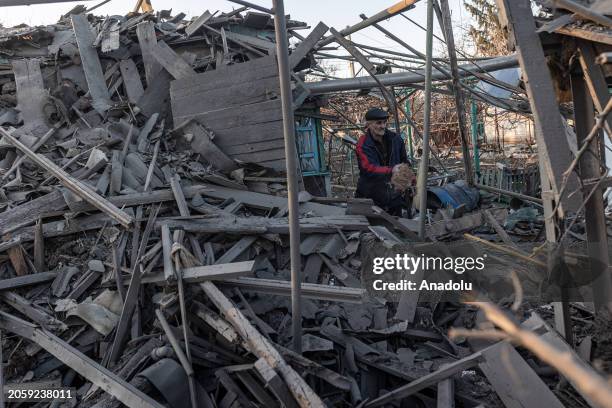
x=27, y=280
x=584, y=12
x=309, y=290
x=132, y=295
x=79, y=362
x=169, y=274
x=203, y=144
x=195, y=25
x=595, y=79
x=199, y=274
x=131, y=80
x=553, y=150
x=30, y=94
x=171, y=61
x=307, y=45
x=262, y=348
x=148, y=41
x=91, y=64
x=77, y=187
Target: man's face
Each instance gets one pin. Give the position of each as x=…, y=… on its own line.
x=377, y=127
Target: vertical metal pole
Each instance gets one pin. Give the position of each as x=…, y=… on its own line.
x=292, y=177
x=475, y=138
x=410, y=146
x=422, y=177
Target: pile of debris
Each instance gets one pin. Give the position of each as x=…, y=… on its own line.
x=143, y=263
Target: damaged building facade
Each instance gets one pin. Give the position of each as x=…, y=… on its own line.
x=179, y=227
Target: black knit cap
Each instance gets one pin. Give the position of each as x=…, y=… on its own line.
x=376, y=114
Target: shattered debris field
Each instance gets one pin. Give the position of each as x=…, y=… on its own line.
x=243, y=209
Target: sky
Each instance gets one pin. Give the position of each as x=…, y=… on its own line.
x=335, y=13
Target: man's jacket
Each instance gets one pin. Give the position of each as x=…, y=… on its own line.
x=374, y=174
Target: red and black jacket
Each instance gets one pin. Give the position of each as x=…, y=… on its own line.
x=373, y=171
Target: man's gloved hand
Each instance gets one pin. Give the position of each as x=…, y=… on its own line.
x=402, y=177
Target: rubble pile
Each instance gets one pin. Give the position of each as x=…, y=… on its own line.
x=145, y=237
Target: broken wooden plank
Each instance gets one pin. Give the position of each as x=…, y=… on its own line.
x=202, y=143
x=37, y=315
x=17, y=259
x=585, y=34
x=238, y=248
x=554, y=153
x=584, y=12
x=132, y=295
x=259, y=225
x=27, y=280
x=91, y=64
x=516, y=384
x=199, y=274
x=148, y=41
x=309, y=290
x=79, y=362
x=197, y=23
x=131, y=80
x=594, y=78
x=171, y=61
x=74, y=185
x=169, y=274
x=307, y=45
x=27, y=213
x=30, y=95
x=39, y=247
x=261, y=347
x=499, y=229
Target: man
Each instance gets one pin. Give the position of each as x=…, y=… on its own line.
x=383, y=161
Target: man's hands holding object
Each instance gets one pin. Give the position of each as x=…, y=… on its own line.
x=402, y=177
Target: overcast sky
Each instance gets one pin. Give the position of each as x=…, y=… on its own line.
x=334, y=13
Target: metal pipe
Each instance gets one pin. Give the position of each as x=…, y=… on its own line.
x=407, y=78
x=397, y=8
x=422, y=177
x=292, y=175
x=509, y=193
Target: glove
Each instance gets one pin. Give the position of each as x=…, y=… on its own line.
x=402, y=177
